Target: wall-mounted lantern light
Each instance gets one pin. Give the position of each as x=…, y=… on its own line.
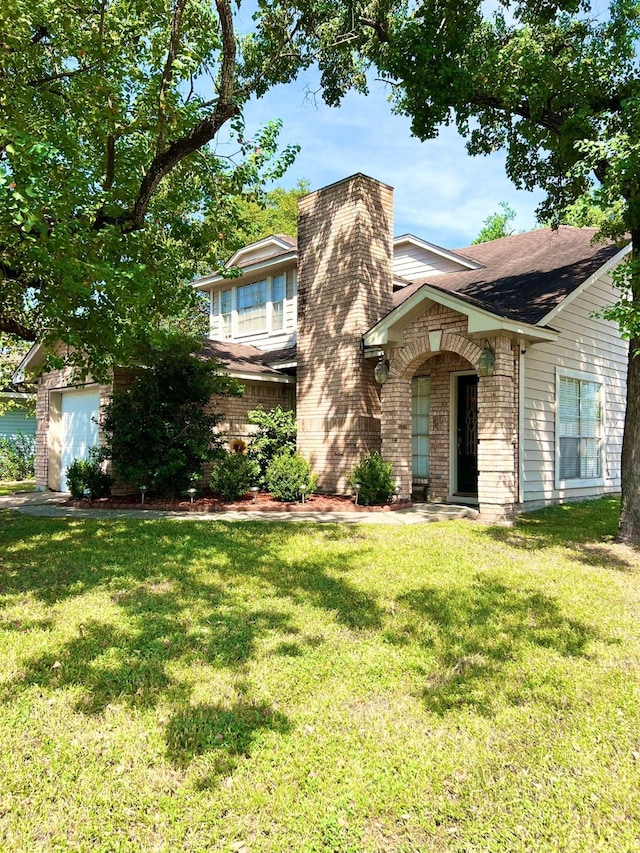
x=487, y=361
x=381, y=370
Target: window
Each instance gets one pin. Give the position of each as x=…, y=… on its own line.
x=292, y=284
x=252, y=306
x=579, y=428
x=255, y=307
x=277, y=302
x=226, y=311
x=420, y=405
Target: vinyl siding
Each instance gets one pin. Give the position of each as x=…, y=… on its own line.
x=412, y=262
x=16, y=420
x=265, y=340
x=590, y=345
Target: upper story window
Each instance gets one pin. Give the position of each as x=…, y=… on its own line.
x=255, y=307
x=277, y=301
x=226, y=311
x=252, y=307
x=579, y=427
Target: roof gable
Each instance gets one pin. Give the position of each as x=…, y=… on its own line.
x=414, y=258
x=526, y=276
x=262, y=250
x=523, y=283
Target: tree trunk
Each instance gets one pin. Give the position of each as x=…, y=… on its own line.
x=629, y=529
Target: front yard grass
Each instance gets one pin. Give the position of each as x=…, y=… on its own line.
x=8, y=487
x=192, y=685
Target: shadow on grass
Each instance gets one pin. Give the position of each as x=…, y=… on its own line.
x=187, y=597
x=472, y=635
x=180, y=596
x=587, y=528
x=229, y=731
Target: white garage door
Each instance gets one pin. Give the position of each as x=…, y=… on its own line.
x=79, y=428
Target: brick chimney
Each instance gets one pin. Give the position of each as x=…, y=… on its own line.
x=345, y=283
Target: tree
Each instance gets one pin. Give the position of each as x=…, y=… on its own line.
x=272, y=212
x=161, y=429
x=556, y=84
x=11, y=354
x=111, y=196
x=495, y=225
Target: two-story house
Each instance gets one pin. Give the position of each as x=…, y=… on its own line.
x=484, y=374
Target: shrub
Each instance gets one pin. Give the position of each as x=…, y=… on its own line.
x=161, y=429
x=375, y=477
x=276, y=435
x=287, y=474
x=88, y=474
x=17, y=456
x=233, y=475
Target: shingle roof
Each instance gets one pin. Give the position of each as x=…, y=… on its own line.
x=524, y=276
x=286, y=239
x=243, y=358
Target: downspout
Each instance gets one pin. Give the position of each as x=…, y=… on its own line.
x=521, y=394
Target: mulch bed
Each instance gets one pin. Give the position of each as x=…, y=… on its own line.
x=208, y=502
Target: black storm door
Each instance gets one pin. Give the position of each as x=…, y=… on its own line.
x=467, y=435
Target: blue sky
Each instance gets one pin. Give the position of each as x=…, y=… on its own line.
x=441, y=194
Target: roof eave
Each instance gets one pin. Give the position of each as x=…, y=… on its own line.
x=389, y=331
x=31, y=361
x=271, y=240
x=207, y=282
x=605, y=268
x=437, y=250
x=248, y=376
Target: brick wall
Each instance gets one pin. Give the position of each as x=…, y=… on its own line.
x=48, y=400
x=235, y=409
x=497, y=430
x=437, y=344
x=344, y=286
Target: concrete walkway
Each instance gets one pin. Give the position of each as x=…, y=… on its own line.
x=50, y=505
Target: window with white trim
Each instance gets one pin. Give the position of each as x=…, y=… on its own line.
x=255, y=307
x=277, y=302
x=226, y=312
x=579, y=428
x=252, y=306
x=420, y=406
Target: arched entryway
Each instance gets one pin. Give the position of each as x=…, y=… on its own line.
x=471, y=433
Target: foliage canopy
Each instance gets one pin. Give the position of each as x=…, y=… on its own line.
x=112, y=196
x=496, y=225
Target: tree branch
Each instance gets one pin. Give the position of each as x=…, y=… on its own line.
x=51, y=78
x=380, y=30
x=167, y=73
x=12, y=327
x=203, y=132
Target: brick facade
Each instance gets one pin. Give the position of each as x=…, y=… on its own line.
x=437, y=344
x=235, y=409
x=344, y=286
x=51, y=386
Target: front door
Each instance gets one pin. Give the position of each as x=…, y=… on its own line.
x=467, y=436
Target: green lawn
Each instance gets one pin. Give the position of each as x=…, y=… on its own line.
x=8, y=487
x=190, y=685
